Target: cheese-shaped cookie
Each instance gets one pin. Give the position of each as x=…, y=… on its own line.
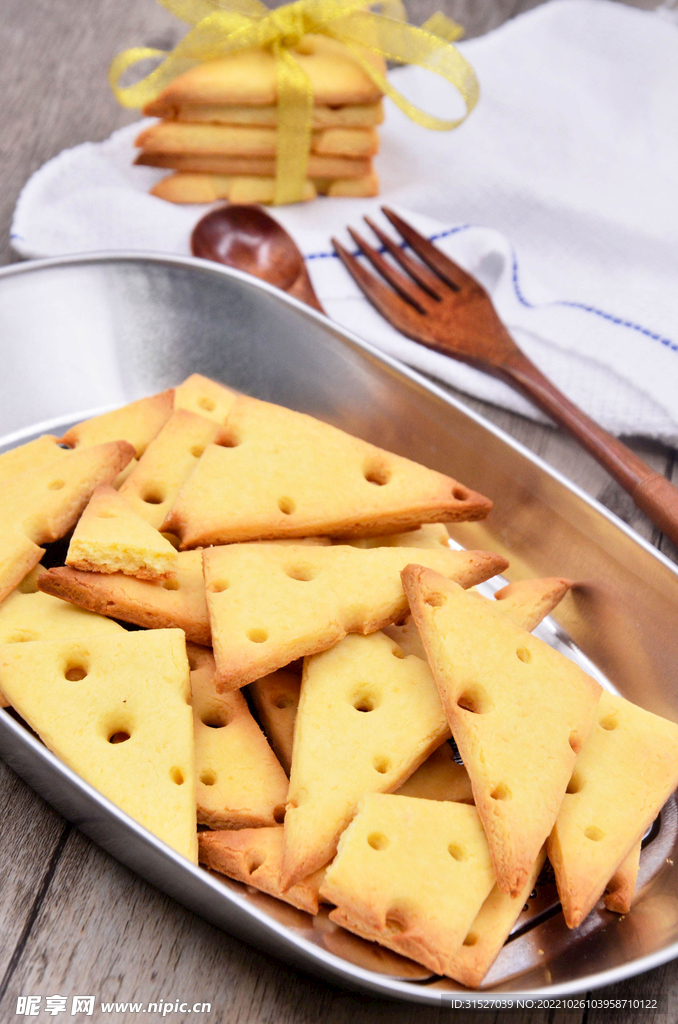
x=440, y=777
x=367, y=718
x=168, y=462
x=30, y=456
x=239, y=780
x=527, y=602
x=115, y=709
x=412, y=875
x=626, y=771
x=176, y=602
x=249, y=77
x=290, y=475
x=489, y=931
x=270, y=604
x=254, y=856
x=519, y=712
x=41, y=504
x=205, y=397
x=276, y=698
x=138, y=423
x=112, y=537
x=621, y=888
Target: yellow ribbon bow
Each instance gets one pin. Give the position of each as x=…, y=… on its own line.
x=221, y=27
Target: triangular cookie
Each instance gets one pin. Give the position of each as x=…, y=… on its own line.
x=138, y=423
x=115, y=710
x=30, y=456
x=35, y=616
x=205, y=397
x=254, y=856
x=488, y=933
x=41, y=504
x=276, y=698
x=111, y=537
x=290, y=475
x=519, y=712
x=527, y=602
x=269, y=605
x=621, y=888
x=168, y=462
x=368, y=717
x=440, y=777
x=239, y=780
x=627, y=769
x=156, y=605
x=411, y=875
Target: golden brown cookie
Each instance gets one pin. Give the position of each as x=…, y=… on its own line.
x=365, y=115
x=319, y=165
x=207, y=188
x=621, y=888
x=242, y=140
x=276, y=698
x=138, y=423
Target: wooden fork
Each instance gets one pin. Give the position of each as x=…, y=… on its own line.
x=439, y=304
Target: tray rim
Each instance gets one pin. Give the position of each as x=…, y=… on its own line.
x=322, y=962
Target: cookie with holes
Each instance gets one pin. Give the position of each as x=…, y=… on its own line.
x=112, y=537
x=168, y=463
x=275, y=698
x=116, y=710
x=254, y=856
x=240, y=782
x=412, y=875
x=40, y=504
x=285, y=474
x=138, y=423
x=205, y=397
x=519, y=712
x=155, y=604
x=627, y=769
x=271, y=604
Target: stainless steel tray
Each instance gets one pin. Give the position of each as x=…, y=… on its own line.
x=83, y=333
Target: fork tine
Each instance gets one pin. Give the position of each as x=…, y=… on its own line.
x=424, y=278
x=391, y=306
x=446, y=268
x=397, y=280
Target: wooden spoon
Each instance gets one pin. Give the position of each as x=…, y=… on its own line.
x=246, y=238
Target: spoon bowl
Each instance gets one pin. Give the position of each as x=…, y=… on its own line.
x=248, y=239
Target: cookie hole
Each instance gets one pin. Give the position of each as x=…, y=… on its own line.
x=118, y=736
x=524, y=655
x=470, y=939
x=55, y=485
x=303, y=573
x=67, y=447
x=575, y=741
x=456, y=851
x=153, y=495
x=283, y=702
x=376, y=473
x=170, y=584
x=197, y=450
x=460, y=493
x=207, y=404
x=382, y=765
x=177, y=776
x=397, y=652
x=208, y=778
x=254, y=860
x=286, y=506
x=228, y=441
x=365, y=702
x=75, y=671
x=257, y=636
x=609, y=722
x=218, y=586
x=173, y=539
x=279, y=814
x=575, y=784
x=594, y=833
x=435, y=600
x=475, y=701
x=501, y=792
x=396, y=920
x=377, y=840
x=216, y=720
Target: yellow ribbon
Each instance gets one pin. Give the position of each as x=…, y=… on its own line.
x=221, y=27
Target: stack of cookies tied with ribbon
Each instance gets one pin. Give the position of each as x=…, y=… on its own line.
x=281, y=106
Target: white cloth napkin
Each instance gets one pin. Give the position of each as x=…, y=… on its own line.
x=559, y=193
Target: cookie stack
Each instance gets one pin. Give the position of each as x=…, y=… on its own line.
x=219, y=123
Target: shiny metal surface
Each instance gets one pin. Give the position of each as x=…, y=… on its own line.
x=80, y=334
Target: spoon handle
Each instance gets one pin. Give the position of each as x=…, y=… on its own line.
x=303, y=290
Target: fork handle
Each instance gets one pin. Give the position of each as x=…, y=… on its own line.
x=652, y=493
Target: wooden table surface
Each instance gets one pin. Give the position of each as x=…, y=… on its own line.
x=72, y=920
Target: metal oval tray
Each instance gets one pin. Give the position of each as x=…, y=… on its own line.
x=80, y=334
